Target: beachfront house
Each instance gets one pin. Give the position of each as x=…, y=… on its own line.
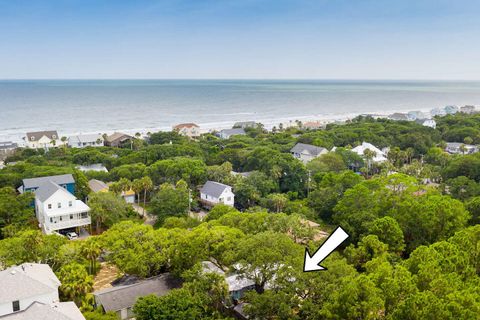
x=307, y=152
x=43, y=140
x=7, y=148
x=86, y=140
x=414, y=115
x=119, y=139
x=190, y=130
x=122, y=297
x=467, y=109
x=245, y=124
x=227, y=133
x=30, y=291
x=379, y=155
x=312, y=125
x=399, y=117
x=451, y=109
x=57, y=209
x=460, y=148
x=213, y=193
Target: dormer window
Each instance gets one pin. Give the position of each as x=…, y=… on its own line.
x=32, y=138
x=49, y=206
x=59, y=205
x=54, y=136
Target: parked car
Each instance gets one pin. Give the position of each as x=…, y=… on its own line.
x=72, y=236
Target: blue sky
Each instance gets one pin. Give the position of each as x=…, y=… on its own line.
x=274, y=39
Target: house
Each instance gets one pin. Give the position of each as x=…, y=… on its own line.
x=43, y=140
x=120, y=299
x=86, y=140
x=241, y=174
x=399, y=117
x=30, y=291
x=437, y=112
x=128, y=196
x=98, y=167
x=64, y=180
x=451, y=109
x=313, y=125
x=237, y=284
x=7, y=148
x=245, y=124
x=57, y=209
x=190, y=130
x=97, y=186
x=467, y=109
x=307, y=152
x=213, y=193
x=118, y=139
x=414, y=115
x=379, y=154
x=460, y=148
x=427, y=123
x=227, y=133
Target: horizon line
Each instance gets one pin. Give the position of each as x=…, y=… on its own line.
x=238, y=79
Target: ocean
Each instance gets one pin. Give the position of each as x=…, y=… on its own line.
x=104, y=106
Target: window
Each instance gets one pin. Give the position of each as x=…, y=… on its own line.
x=49, y=206
x=54, y=136
x=221, y=199
x=84, y=215
x=61, y=219
x=32, y=138
x=229, y=199
x=16, y=306
x=59, y=205
x=71, y=216
x=70, y=203
x=51, y=220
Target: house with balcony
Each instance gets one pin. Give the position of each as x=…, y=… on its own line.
x=190, y=130
x=213, y=193
x=43, y=139
x=30, y=291
x=57, y=209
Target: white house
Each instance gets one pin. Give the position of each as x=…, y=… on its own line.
x=43, y=140
x=213, y=193
x=427, y=123
x=58, y=209
x=86, y=140
x=460, y=148
x=97, y=167
x=30, y=291
x=380, y=156
x=307, y=152
x=190, y=130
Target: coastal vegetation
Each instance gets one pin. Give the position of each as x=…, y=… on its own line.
x=413, y=250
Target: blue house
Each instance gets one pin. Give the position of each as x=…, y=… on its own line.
x=64, y=180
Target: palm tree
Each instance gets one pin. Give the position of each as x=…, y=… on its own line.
x=147, y=186
x=64, y=140
x=91, y=251
x=137, y=186
x=369, y=155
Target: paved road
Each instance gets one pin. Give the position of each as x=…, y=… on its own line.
x=149, y=219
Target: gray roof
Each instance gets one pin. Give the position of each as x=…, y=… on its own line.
x=26, y=280
x=214, y=189
x=38, y=134
x=8, y=145
x=37, y=182
x=232, y=132
x=54, y=311
x=97, y=185
x=121, y=297
x=118, y=136
x=47, y=189
x=313, y=150
x=81, y=138
x=245, y=124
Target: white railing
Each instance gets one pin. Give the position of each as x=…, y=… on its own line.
x=51, y=226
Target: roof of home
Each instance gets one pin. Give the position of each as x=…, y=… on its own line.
x=236, y=282
x=245, y=124
x=118, y=135
x=8, y=145
x=121, y=297
x=47, y=189
x=39, y=134
x=97, y=185
x=399, y=116
x=302, y=147
x=214, y=189
x=54, y=311
x=186, y=125
x=26, y=280
x=81, y=138
x=232, y=132
x=93, y=167
x=458, y=145
x=58, y=179
x=379, y=154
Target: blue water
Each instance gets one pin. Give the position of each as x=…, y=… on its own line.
x=86, y=106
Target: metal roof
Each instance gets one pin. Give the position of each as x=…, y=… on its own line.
x=311, y=149
x=58, y=179
x=214, y=189
x=54, y=311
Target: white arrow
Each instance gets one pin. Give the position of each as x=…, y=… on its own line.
x=312, y=263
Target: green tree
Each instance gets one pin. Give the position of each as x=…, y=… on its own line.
x=75, y=283
x=170, y=201
x=108, y=209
